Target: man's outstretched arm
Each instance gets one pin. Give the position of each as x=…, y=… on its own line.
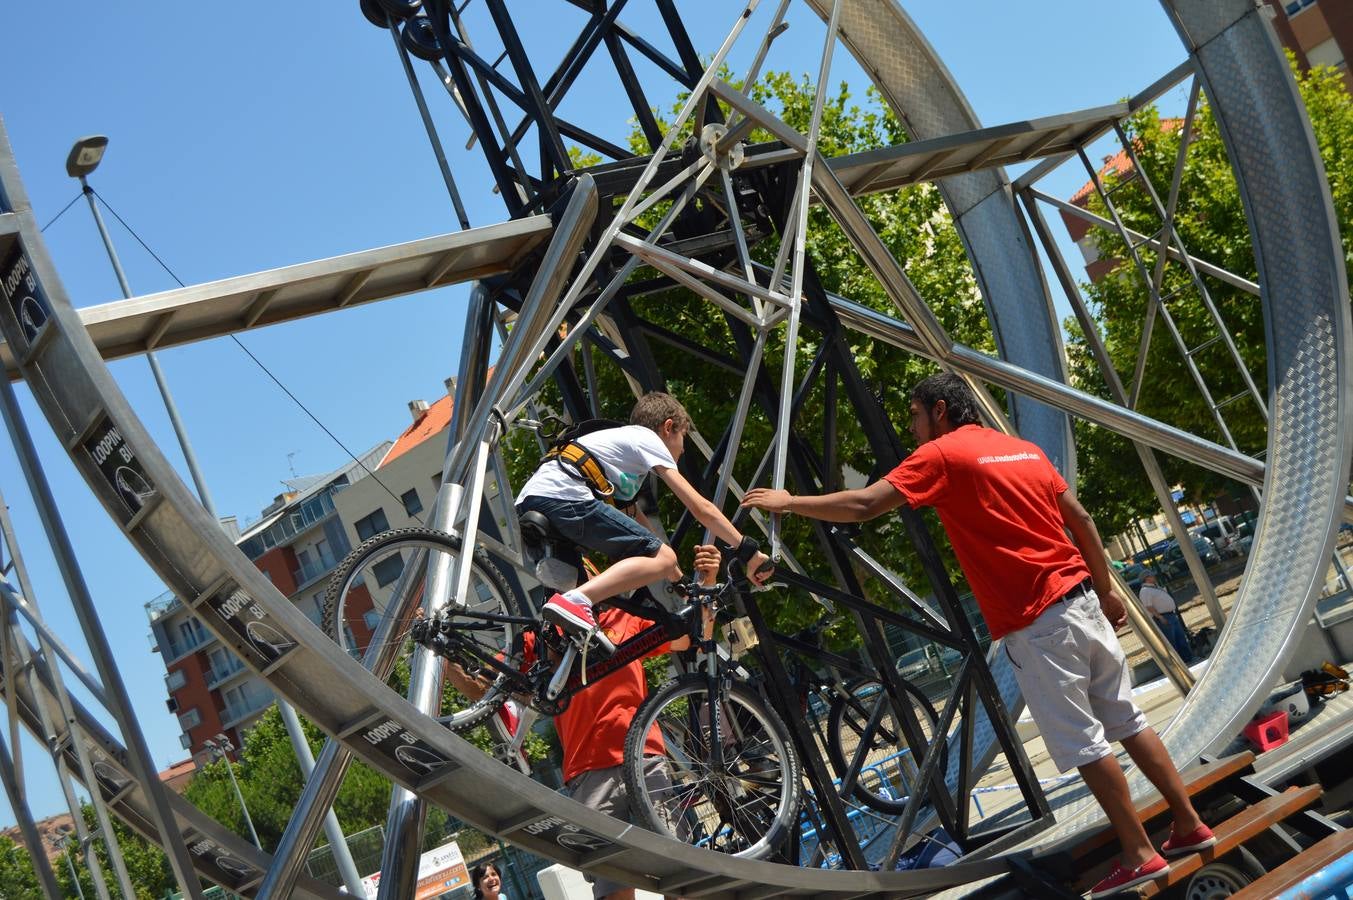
x=856, y=505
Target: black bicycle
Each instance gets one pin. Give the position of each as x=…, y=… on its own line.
x=730, y=780
x=847, y=709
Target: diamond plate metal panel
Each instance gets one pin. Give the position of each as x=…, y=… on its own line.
x=1304, y=291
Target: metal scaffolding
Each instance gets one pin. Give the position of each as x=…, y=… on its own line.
x=730, y=222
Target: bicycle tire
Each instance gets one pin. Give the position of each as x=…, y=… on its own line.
x=748, y=809
x=838, y=724
x=484, y=576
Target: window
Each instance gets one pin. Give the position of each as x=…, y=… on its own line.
x=191, y=719
x=303, y=559
x=1326, y=53
x=192, y=633
x=412, y=505
x=175, y=680
x=1292, y=7
x=322, y=553
x=371, y=525
x=388, y=569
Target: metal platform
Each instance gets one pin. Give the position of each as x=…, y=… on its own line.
x=890, y=168
x=231, y=305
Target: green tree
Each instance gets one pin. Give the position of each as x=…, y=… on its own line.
x=270, y=780
x=915, y=226
x=1212, y=223
x=17, y=878
x=147, y=866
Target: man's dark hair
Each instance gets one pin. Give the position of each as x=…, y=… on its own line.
x=655, y=407
x=959, y=403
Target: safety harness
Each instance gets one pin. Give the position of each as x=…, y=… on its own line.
x=578, y=461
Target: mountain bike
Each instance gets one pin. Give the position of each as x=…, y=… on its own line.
x=847, y=708
x=733, y=779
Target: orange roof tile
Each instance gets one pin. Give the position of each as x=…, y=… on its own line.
x=431, y=422
x=1118, y=164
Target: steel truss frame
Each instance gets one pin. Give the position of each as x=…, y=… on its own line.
x=179, y=540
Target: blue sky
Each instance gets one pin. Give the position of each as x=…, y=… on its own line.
x=249, y=135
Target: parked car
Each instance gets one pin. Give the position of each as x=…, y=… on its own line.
x=1222, y=531
x=932, y=659
x=1175, y=565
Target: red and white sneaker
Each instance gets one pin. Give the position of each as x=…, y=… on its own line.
x=577, y=618
x=508, y=722
x=1122, y=878
x=508, y=718
x=1199, y=838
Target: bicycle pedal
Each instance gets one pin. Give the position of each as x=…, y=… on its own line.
x=742, y=636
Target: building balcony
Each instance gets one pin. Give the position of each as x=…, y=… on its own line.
x=180, y=649
x=217, y=676
x=306, y=575
x=162, y=606
x=235, y=713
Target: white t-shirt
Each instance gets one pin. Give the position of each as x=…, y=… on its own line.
x=627, y=454
x=1155, y=599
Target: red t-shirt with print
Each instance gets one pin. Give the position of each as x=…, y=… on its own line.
x=592, y=729
x=997, y=498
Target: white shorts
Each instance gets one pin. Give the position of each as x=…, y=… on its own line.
x=1074, y=677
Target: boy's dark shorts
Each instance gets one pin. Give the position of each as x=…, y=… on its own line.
x=594, y=525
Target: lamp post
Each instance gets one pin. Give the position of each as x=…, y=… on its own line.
x=220, y=746
x=83, y=159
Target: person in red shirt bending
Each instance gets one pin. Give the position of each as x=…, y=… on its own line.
x=592, y=728
x=1007, y=511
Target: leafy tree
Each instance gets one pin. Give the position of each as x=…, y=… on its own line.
x=915, y=226
x=147, y=866
x=1212, y=223
x=17, y=878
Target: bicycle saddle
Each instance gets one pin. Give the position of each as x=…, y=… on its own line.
x=535, y=528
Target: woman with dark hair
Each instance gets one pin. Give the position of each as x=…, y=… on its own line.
x=487, y=882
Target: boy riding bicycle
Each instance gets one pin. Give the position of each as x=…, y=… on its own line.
x=581, y=488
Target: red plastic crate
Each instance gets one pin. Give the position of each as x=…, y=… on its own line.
x=1268, y=732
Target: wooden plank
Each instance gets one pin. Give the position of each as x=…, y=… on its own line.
x=1197, y=779
x=1235, y=831
x=1298, y=868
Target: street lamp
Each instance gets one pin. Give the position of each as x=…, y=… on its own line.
x=83, y=159
x=220, y=746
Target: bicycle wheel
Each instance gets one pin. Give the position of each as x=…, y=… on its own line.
x=367, y=586
x=743, y=807
x=888, y=765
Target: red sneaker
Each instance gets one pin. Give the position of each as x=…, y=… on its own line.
x=577, y=618
x=1199, y=838
x=508, y=718
x=1120, y=878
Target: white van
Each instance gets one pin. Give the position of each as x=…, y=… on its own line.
x=1222, y=531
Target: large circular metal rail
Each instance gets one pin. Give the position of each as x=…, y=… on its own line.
x=1305, y=299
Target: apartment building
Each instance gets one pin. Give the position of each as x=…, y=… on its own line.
x=401, y=494
x=296, y=542
x=1318, y=32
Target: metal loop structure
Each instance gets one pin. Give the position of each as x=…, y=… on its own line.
x=692, y=212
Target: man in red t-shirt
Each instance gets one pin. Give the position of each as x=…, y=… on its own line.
x=1007, y=511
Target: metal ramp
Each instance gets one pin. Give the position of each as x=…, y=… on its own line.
x=231, y=305
x=218, y=854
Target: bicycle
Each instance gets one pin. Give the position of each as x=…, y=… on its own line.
x=733, y=774
x=860, y=731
